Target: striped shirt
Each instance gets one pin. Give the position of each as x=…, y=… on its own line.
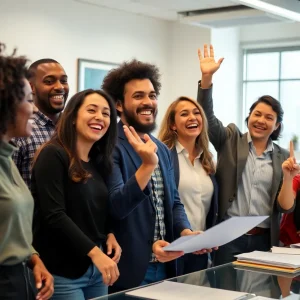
x=254, y=189
x=42, y=130
x=157, y=185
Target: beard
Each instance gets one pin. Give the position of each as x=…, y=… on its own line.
x=45, y=106
x=132, y=121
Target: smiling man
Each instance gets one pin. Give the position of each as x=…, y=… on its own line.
x=50, y=90
x=143, y=197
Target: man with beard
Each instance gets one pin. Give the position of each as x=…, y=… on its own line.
x=50, y=89
x=144, y=200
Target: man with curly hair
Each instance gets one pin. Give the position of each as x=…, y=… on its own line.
x=144, y=199
x=50, y=90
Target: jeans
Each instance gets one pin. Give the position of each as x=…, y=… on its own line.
x=88, y=286
x=155, y=272
x=16, y=283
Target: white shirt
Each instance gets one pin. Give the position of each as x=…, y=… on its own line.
x=195, y=188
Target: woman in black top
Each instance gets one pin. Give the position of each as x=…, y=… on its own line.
x=71, y=221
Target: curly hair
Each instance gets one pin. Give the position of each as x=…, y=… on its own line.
x=114, y=82
x=13, y=71
x=169, y=137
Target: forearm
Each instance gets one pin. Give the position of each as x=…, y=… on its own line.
x=206, y=81
x=143, y=175
x=286, y=197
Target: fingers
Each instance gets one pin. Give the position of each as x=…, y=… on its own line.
x=205, y=51
x=47, y=291
x=292, y=154
x=112, y=275
x=200, y=54
x=168, y=256
x=109, y=248
x=134, y=133
x=220, y=61
x=211, y=51
x=117, y=256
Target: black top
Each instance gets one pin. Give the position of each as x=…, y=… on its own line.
x=70, y=218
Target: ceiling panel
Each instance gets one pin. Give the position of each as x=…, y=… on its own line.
x=162, y=9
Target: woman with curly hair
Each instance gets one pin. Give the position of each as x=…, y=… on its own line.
x=16, y=202
x=184, y=131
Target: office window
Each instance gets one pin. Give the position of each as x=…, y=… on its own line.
x=274, y=72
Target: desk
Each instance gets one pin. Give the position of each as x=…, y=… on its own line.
x=229, y=277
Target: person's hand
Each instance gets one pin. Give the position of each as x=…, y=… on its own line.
x=146, y=150
x=106, y=266
x=290, y=168
x=208, y=65
x=164, y=256
x=113, y=245
x=198, y=252
x=43, y=279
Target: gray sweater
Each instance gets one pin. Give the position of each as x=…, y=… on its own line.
x=16, y=211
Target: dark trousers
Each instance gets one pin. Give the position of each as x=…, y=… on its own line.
x=243, y=244
x=15, y=283
x=190, y=263
x=226, y=254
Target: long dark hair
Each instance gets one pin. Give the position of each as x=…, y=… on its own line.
x=66, y=137
x=276, y=106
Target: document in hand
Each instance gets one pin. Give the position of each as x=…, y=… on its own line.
x=216, y=236
x=268, y=260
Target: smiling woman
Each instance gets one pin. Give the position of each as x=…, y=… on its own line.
x=71, y=213
x=184, y=131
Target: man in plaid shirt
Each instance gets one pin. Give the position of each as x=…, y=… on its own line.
x=50, y=90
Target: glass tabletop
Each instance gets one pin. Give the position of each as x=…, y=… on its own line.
x=271, y=284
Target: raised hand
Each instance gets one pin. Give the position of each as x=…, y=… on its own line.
x=290, y=168
x=208, y=65
x=145, y=149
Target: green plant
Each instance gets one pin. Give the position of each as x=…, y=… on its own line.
x=295, y=138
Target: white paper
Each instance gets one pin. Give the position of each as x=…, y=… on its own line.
x=216, y=236
x=272, y=259
x=261, y=298
x=284, y=250
x=168, y=290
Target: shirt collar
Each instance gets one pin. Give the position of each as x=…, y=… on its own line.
x=42, y=119
x=181, y=149
x=270, y=146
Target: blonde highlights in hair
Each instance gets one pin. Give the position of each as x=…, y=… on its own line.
x=169, y=137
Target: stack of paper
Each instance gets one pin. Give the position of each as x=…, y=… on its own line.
x=168, y=290
x=295, y=245
x=268, y=260
x=285, y=250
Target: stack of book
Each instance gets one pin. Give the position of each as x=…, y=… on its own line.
x=269, y=260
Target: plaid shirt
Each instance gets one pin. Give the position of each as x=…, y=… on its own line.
x=157, y=184
x=42, y=130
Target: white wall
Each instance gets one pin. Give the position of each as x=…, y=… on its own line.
x=67, y=30
x=227, y=80
x=276, y=34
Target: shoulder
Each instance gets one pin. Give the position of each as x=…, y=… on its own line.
x=52, y=152
x=285, y=152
